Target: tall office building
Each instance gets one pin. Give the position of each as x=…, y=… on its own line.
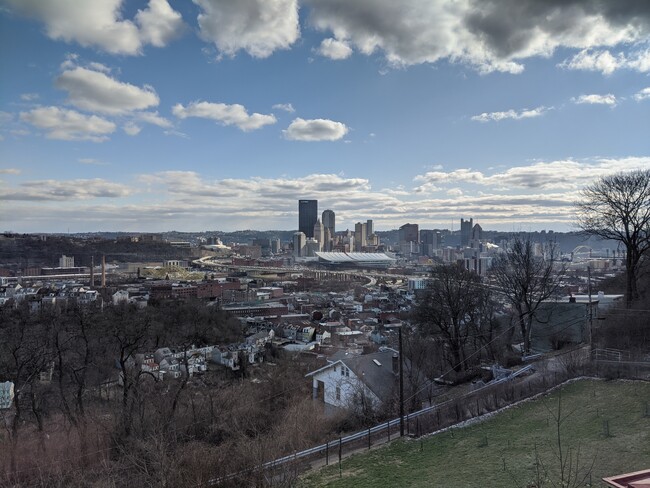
x=370, y=228
x=299, y=244
x=465, y=231
x=360, y=236
x=409, y=233
x=307, y=216
x=319, y=234
x=477, y=235
x=329, y=221
x=430, y=241
x=327, y=243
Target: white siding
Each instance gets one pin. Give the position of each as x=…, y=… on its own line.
x=349, y=386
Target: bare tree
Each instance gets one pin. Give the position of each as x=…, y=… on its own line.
x=527, y=279
x=617, y=207
x=453, y=309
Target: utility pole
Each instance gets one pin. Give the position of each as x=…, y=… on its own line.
x=591, y=310
x=401, y=386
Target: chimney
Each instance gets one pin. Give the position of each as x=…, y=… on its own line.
x=92, y=271
x=395, y=363
x=103, y=271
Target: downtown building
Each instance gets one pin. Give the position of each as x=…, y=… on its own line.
x=307, y=216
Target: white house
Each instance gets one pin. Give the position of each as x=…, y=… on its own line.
x=357, y=381
x=120, y=296
x=6, y=394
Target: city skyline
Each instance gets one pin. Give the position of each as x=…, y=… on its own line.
x=152, y=116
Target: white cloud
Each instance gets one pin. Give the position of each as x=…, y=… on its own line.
x=93, y=65
x=491, y=35
x=606, y=63
x=539, y=195
x=588, y=60
x=9, y=171
x=131, y=128
x=258, y=27
x=225, y=114
x=99, y=23
x=97, y=92
x=315, y=130
x=555, y=175
x=511, y=114
x=190, y=183
x=29, y=97
x=335, y=49
x=287, y=107
x=61, y=190
x=159, y=23
x=595, y=99
x=642, y=95
x=154, y=119
x=69, y=125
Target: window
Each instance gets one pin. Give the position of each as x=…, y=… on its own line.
x=338, y=392
x=342, y=370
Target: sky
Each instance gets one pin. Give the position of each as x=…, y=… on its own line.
x=160, y=115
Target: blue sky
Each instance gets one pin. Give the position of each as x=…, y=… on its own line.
x=217, y=115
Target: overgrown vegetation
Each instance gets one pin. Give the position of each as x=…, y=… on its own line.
x=79, y=427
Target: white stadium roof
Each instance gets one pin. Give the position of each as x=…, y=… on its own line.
x=355, y=257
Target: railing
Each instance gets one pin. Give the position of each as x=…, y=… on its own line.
x=608, y=355
x=416, y=421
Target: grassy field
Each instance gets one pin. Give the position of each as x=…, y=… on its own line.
x=607, y=422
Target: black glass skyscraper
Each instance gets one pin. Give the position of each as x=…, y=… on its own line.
x=307, y=216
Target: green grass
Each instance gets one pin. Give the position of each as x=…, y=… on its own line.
x=460, y=458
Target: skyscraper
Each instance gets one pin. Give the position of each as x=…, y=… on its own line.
x=430, y=241
x=465, y=231
x=299, y=243
x=307, y=216
x=319, y=234
x=360, y=236
x=329, y=221
x=409, y=233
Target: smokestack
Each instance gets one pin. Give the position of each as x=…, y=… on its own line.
x=395, y=363
x=103, y=271
x=92, y=271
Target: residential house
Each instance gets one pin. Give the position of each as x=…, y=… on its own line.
x=171, y=367
x=226, y=357
x=357, y=382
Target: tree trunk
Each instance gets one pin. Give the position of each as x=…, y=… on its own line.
x=524, y=333
x=630, y=279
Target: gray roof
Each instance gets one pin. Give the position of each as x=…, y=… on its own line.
x=379, y=378
x=355, y=257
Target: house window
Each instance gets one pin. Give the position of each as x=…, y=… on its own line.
x=338, y=392
x=342, y=370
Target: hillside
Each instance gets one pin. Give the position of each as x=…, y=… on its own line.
x=605, y=424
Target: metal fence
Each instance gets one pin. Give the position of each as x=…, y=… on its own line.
x=570, y=364
x=485, y=399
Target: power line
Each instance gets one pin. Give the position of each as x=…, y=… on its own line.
x=453, y=368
